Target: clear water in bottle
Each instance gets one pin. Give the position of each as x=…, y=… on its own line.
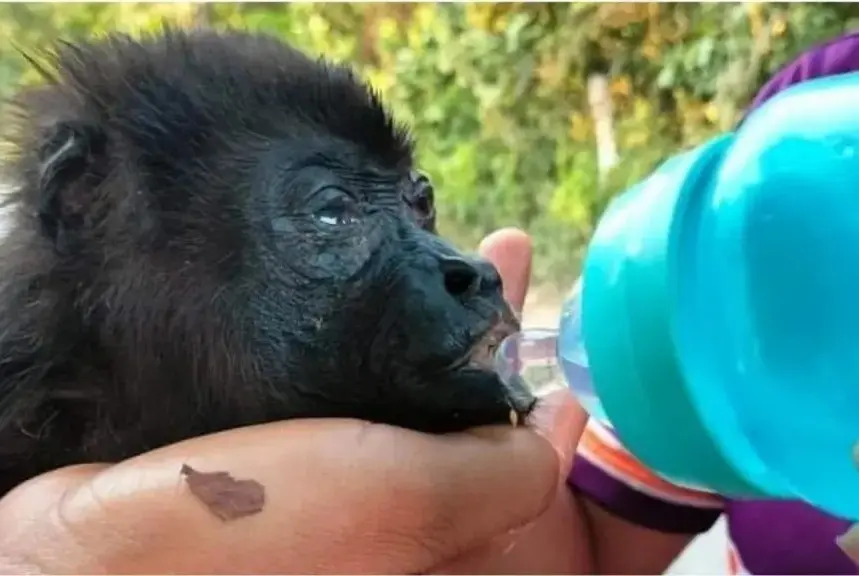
x=573, y=357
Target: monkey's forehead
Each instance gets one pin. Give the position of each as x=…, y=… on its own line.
x=192, y=84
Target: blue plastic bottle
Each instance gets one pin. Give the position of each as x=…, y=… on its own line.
x=719, y=308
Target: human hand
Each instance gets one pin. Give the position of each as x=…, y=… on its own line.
x=341, y=496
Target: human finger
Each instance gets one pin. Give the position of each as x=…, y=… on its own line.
x=849, y=543
x=537, y=548
x=510, y=250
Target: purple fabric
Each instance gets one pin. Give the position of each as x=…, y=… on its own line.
x=771, y=537
x=774, y=537
x=831, y=58
x=637, y=507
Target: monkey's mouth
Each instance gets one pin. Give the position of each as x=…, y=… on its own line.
x=482, y=357
x=482, y=353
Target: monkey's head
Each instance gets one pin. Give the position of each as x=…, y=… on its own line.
x=213, y=230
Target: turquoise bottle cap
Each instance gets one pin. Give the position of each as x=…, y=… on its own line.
x=628, y=326
x=767, y=322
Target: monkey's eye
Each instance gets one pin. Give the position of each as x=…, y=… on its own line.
x=421, y=196
x=423, y=202
x=337, y=208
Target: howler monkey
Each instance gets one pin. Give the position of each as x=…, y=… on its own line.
x=209, y=230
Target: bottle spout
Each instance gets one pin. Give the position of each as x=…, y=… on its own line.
x=546, y=360
x=530, y=357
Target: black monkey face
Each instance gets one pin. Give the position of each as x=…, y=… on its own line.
x=238, y=234
x=378, y=316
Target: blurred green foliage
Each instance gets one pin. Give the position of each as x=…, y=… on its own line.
x=497, y=93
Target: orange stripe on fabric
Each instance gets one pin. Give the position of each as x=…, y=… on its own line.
x=604, y=453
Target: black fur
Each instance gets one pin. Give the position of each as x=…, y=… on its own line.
x=210, y=230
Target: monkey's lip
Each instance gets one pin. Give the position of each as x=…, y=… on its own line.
x=482, y=353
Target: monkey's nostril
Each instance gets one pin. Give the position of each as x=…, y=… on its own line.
x=490, y=277
x=461, y=277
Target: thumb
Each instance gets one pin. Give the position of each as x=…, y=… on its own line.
x=509, y=249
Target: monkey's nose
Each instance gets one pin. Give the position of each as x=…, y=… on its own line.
x=466, y=278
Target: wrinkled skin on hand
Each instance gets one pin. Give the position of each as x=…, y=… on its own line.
x=344, y=497
x=211, y=230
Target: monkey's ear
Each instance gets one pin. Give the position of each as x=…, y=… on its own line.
x=65, y=157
